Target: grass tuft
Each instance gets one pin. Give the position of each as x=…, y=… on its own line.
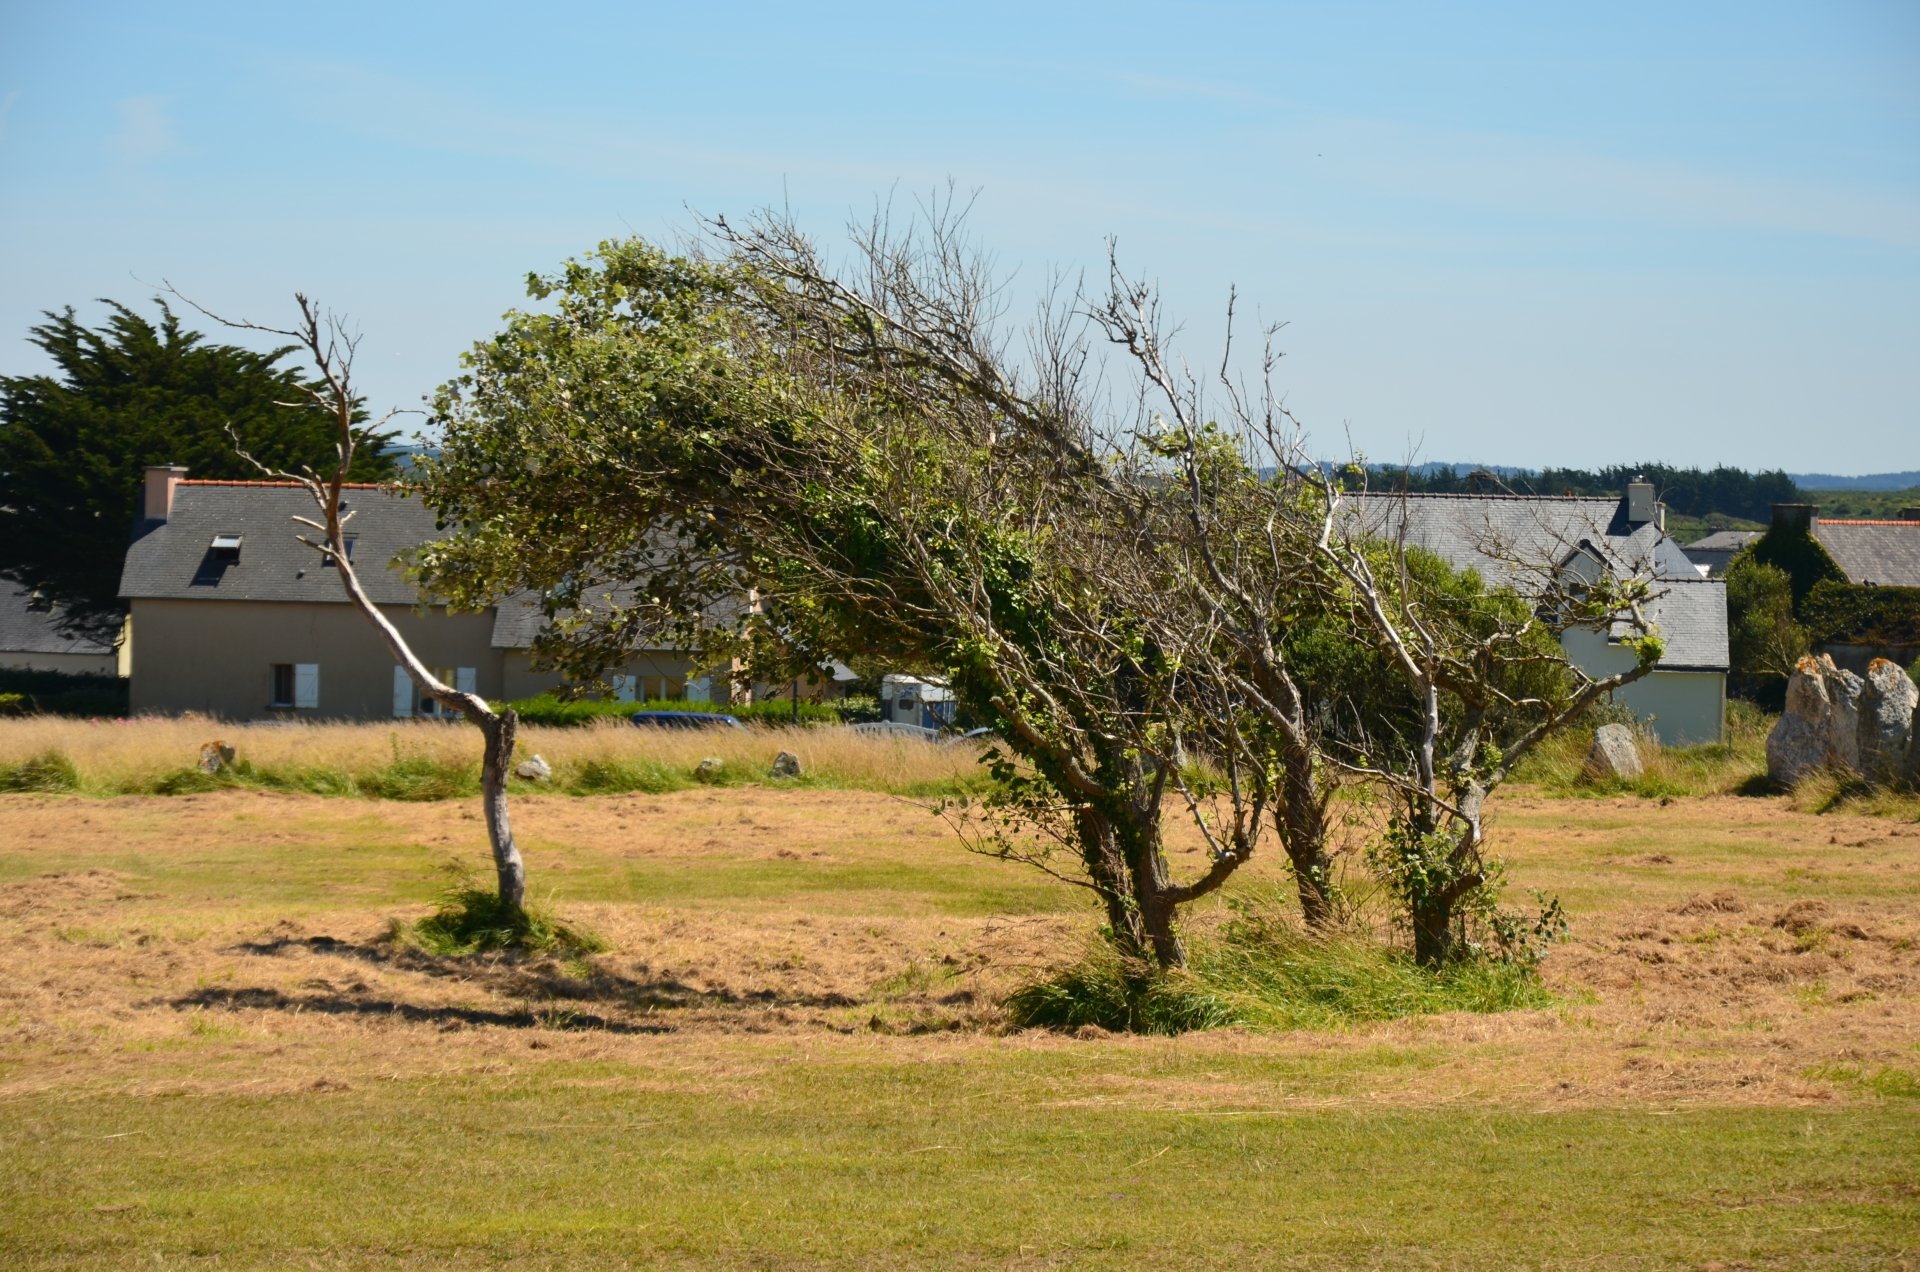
x=1265, y=974
x=50, y=771
x=606, y=776
x=473, y=920
x=420, y=778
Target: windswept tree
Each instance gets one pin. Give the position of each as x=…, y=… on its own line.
x=858, y=452
x=131, y=393
x=1477, y=678
x=328, y=404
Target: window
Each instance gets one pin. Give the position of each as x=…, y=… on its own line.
x=225, y=547
x=326, y=558
x=295, y=685
x=409, y=702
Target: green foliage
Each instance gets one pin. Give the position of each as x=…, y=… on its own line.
x=1687, y=492
x=551, y=710
x=1866, y=505
x=66, y=693
x=49, y=772
x=1435, y=882
x=473, y=920
x=74, y=445
x=1798, y=555
x=1764, y=641
x=1835, y=610
x=1261, y=971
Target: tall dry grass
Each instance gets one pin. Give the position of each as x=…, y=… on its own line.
x=1736, y=766
x=427, y=759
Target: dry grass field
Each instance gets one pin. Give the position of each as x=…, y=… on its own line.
x=211, y=1054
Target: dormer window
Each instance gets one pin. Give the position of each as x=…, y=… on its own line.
x=326, y=558
x=226, y=547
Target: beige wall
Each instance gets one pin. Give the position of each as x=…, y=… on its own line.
x=216, y=657
x=520, y=680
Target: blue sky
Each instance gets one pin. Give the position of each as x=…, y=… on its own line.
x=1525, y=234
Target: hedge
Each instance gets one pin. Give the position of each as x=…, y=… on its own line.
x=549, y=710
x=62, y=693
x=1851, y=613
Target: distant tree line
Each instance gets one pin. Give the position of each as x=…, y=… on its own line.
x=1689, y=492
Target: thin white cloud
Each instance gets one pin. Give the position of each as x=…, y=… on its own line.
x=146, y=130
x=1527, y=175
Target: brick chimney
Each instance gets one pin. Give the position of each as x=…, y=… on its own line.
x=156, y=497
x=1794, y=518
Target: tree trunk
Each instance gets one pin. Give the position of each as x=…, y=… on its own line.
x=1106, y=866
x=1433, y=932
x=1147, y=865
x=1302, y=818
x=495, y=766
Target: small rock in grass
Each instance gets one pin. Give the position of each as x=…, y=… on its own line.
x=709, y=769
x=786, y=764
x=534, y=769
x=1615, y=754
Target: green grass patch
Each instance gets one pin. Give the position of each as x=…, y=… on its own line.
x=1265, y=974
x=622, y=777
x=474, y=920
x=1106, y=1156
x=50, y=771
x=420, y=778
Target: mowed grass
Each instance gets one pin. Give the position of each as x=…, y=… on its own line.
x=793, y=1055
x=1076, y=1157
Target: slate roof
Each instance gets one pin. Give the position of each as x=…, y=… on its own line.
x=1691, y=617
x=1725, y=541
x=1518, y=541
x=174, y=559
x=1885, y=553
x=1512, y=539
x=26, y=629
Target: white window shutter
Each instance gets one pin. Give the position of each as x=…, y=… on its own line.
x=306, y=685
x=623, y=688
x=402, y=692
x=700, y=689
x=466, y=680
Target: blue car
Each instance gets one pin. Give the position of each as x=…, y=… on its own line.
x=684, y=720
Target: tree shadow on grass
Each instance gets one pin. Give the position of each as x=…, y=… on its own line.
x=547, y=979
x=261, y=998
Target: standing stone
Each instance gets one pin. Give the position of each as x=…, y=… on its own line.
x=215, y=756
x=1843, y=727
x=1615, y=754
x=709, y=769
x=1798, y=744
x=1887, y=700
x=786, y=764
x=534, y=769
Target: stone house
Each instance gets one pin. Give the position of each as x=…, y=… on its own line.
x=1524, y=542
x=230, y=616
